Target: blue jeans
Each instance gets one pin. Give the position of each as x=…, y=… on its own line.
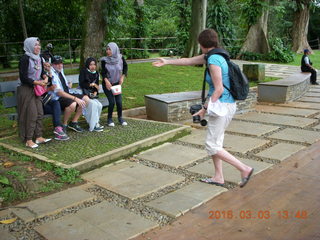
x=53, y=107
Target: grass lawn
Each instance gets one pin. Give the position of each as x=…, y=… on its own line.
x=89, y=144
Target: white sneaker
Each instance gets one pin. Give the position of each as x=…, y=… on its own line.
x=111, y=124
x=124, y=123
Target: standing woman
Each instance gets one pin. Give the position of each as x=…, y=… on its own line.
x=30, y=111
x=217, y=79
x=113, y=69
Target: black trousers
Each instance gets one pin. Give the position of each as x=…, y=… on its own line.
x=113, y=99
x=313, y=72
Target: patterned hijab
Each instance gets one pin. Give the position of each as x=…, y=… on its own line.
x=28, y=47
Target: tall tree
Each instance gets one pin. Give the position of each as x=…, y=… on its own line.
x=256, y=13
x=94, y=30
x=198, y=23
x=300, y=25
x=23, y=22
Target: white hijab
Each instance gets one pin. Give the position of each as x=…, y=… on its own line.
x=28, y=47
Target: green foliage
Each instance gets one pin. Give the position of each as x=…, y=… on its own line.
x=252, y=10
x=279, y=52
x=251, y=56
x=219, y=16
x=9, y=194
x=70, y=175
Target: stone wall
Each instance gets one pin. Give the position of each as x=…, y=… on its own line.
x=180, y=110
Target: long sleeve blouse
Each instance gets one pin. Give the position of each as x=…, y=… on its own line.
x=104, y=70
x=23, y=71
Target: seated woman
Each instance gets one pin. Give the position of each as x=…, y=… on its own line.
x=113, y=68
x=53, y=107
x=89, y=83
x=30, y=111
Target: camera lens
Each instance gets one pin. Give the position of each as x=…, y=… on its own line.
x=203, y=122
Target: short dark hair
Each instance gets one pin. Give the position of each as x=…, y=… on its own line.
x=208, y=38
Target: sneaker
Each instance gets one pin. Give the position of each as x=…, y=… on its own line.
x=123, y=122
x=59, y=131
x=110, y=123
x=100, y=126
x=75, y=127
x=61, y=138
x=98, y=129
x=64, y=128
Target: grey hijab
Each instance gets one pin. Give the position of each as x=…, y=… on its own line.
x=116, y=56
x=28, y=47
x=114, y=63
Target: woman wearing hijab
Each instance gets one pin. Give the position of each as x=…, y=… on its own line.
x=113, y=69
x=89, y=82
x=29, y=105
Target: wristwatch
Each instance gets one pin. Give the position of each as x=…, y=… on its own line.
x=204, y=107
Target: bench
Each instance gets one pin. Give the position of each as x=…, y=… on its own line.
x=11, y=101
x=174, y=107
x=284, y=90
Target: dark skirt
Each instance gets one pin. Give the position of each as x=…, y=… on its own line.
x=30, y=113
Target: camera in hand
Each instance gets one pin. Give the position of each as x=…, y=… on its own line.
x=196, y=119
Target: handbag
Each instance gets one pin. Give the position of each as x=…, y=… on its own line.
x=46, y=98
x=39, y=90
x=116, y=89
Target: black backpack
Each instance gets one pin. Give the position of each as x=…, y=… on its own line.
x=239, y=84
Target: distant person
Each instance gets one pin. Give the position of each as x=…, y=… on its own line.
x=216, y=78
x=113, y=69
x=89, y=83
x=69, y=102
x=29, y=106
x=306, y=66
x=47, y=54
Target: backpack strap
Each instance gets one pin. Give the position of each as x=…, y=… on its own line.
x=220, y=52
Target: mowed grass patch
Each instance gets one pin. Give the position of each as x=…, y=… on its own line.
x=89, y=144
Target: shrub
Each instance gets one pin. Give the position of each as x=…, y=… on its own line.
x=279, y=52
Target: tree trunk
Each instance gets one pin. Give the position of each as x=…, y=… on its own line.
x=94, y=31
x=257, y=39
x=300, y=27
x=198, y=23
x=23, y=22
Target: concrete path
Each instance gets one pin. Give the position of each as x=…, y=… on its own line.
x=155, y=187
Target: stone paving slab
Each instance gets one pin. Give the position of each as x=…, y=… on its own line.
x=306, y=105
x=309, y=99
x=196, y=137
x=173, y=155
x=102, y=221
x=6, y=235
x=297, y=135
x=231, y=174
x=317, y=90
x=280, y=151
x=242, y=144
x=285, y=110
x=276, y=119
x=317, y=127
x=132, y=180
x=181, y=201
x=256, y=129
x=312, y=94
x=53, y=203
